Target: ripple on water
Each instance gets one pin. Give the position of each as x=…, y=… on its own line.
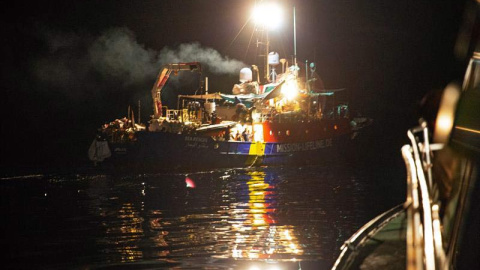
x=220, y=218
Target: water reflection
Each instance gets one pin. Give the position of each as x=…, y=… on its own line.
x=254, y=230
x=221, y=218
x=229, y=215
x=124, y=233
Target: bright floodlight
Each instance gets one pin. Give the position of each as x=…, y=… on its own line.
x=267, y=14
x=289, y=89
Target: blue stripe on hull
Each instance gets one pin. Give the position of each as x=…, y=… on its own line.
x=171, y=151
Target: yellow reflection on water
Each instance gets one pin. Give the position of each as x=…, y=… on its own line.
x=257, y=236
x=244, y=226
x=124, y=233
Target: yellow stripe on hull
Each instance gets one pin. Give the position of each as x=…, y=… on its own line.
x=256, y=153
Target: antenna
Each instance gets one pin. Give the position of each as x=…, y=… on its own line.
x=307, y=84
x=294, y=41
x=139, y=112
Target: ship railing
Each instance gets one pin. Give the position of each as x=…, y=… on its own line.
x=424, y=237
x=192, y=115
x=180, y=115
x=289, y=117
x=266, y=117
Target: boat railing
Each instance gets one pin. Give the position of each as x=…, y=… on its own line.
x=180, y=115
x=265, y=117
x=345, y=260
x=424, y=238
x=289, y=117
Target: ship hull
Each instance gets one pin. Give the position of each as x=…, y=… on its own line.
x=156, y=151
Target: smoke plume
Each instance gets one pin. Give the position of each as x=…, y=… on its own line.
x=207, y=56
x=116, y=56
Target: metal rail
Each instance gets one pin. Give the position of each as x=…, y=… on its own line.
x=424, y=237
x=350, y=246
x=424, y=244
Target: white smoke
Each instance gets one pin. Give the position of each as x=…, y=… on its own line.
x=117, y=53
x=206, y=56
x=117, y=56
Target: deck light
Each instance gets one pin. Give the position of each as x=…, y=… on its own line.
x=267, y=14
x=289, y=90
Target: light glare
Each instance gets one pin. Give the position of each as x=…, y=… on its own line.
x=289, y=90
x=268, y=15
x=446, y=114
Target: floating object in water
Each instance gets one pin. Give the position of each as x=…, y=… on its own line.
x=189, y=182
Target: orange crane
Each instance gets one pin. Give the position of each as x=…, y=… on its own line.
x=162, y=80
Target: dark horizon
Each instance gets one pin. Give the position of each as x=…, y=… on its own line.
x=69, y=67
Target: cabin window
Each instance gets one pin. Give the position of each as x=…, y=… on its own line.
x=271, y=133
x=279, y=133
x=287, y=132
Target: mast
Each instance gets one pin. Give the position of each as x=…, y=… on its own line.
x=267, y=17
x=267, y=66
x=307, y=84
x=139, y=107
x=294, y=41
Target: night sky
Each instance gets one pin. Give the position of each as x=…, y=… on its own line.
x=70, y=66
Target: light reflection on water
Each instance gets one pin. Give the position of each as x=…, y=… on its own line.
x=231, y=217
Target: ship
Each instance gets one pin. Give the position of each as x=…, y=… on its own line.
x=283, y=119
x=438, y=225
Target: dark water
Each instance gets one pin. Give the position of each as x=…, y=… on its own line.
x=285, y=218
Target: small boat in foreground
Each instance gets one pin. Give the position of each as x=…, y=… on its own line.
x=438, y=226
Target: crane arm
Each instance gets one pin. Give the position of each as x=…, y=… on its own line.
x=162, y=79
